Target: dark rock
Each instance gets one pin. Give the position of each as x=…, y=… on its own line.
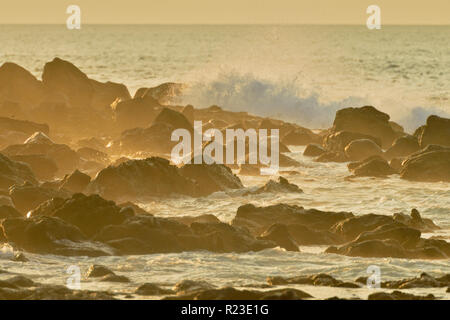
x=279, y=234
x=9, y=212
x=76, y=182
x=320, y=279
x=89, y=213
x=42, y=166
x=91, y=154
x=300, y=137
x=365, y=120
x=423, y=281
x=337, y=141
x=23, y=126
x=402, y=147
x=362, y=149
x=53, y=292
x=436, y=131
x=96, y=271
x=205, y=218
x=280, y=186
x=374, y=168
x=313, y=150
x=105, y=93
x=137, y=112
x=396, y=164
x=189, y=286
x=431, y=164
x=173, y=118
x=332, y=157
x=398, y=295
x=13, y=172
x=150, y=289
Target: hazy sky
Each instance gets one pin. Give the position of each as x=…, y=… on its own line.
x=227, y=11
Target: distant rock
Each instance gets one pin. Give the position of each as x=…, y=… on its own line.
x=366, y=120
x=373, y=168
x=436, y=131
x=337, y=141
x=300, y=137
x=23, y=126
x=362, y=149
x=320, y=279
x=431, y=164
x=280, y=186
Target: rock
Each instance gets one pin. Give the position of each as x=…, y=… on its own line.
x=162, y=93
x=234, y=294
x=374, y=168
x=320, y=279
x=6, y=201
x=9, y=212
x=53, y=292
x=396, y=164
x=332, y=157
x=19, y=85
x=366, y=120
x=76, y=182
x=42, y=166
x=423, y=281
x=137, y=112
x=19, y=257
x=97, y=271
x=90, y=154
x=189, y=286
x=205, y=218
x=27, y=196
x=431, y=164
x=60, y=76
x=106, y=93
x=22, y=126
x=50, y=235
x=337, y=141
x=188, y=111
x=280, y=186
x=246, y=169
x=371, y=248
x=65, y=158
x=398, y=295
x=173, y=118
x=313, y=150
x=353, y=226
x=88, y=213
x=362, y=149
x=436, y=131
x=279, y=234
x=402, y=147
x=414, y=220
x=211, y=177
x=150, y=289
x=21, y=282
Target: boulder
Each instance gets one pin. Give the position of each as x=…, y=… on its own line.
x=279, y=234
x=402, y=147
x=337, y=141
x=373, y=168
x=436, y=131
x=88, y=213
x=97, y=271
x=105, y=93
x=313, y=150
x=280, y=186
x=366, y=120
x=173, y=118
x=42, y=166
x=75, y=182
x=9, y=212
x=431, y=164
x=163, y=93
x=398, y=295
x=362, y=149
x=300, y=137
x=13, y=172
x=19, y=85
x=151, y=289
x=60, y=76
x=133, y=113
x=331, y=156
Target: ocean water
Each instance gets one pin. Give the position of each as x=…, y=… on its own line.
x=299, y=73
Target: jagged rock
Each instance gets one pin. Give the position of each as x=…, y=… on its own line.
x=402, y=147
x=19, y=85
x=414, y=220
x=282, y=185
x=234, y=294
x=371, y=248
x=430, y=164
x=89, y=213
x=97, y=271
x=106, y=93
x=351, y=227
x=76, y=182
x=60, y=76
x=279, y=234
x=173, y=118
x=362, y=149
x=398, y=295
x=246, y=169
x=28, y=196
x=313, y=150
x=42, y=166
x=151, y=289
x=50, y=235
x=436, y=131
x=366, y=120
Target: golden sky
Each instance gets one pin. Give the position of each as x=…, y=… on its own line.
x=226, y=11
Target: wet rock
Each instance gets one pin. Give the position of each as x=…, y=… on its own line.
x=20, y=282
x=163, y=93
x=423, y=281
x=42, y=166
x=96, y=271
x=402, y=147
x=279, y=234
x=28, y=196
x=366, y=120
x=280, y=186
x=53, y=292
x=14, y=172
x=373, y=168
x=362, y=149
x=431, y=164
x=211, y=178
x=371, y=248
x=60, y=76
x=88, y=213
x=137, y=112
x=436, y=131
x=337, y=141
x=320, y=279
x=65, y=158
x=106, y=93
x=332, y=157
x=398, y=295
x=300, y=137
x=151, y=289
x=313, y=150
x=6, y=201
x=229, y=293
x=20, y=257
x=189, y=286
x=173, y=118
x=19, y=85
x=76, y=182
x=414, y=220
x=50, y=235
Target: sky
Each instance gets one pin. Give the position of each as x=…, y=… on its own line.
x=416, y=12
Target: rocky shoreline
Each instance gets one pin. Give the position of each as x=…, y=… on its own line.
x=77, y=154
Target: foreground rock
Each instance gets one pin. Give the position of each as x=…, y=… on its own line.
x=431, y=164
x=436, y=131
x=398, y=295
